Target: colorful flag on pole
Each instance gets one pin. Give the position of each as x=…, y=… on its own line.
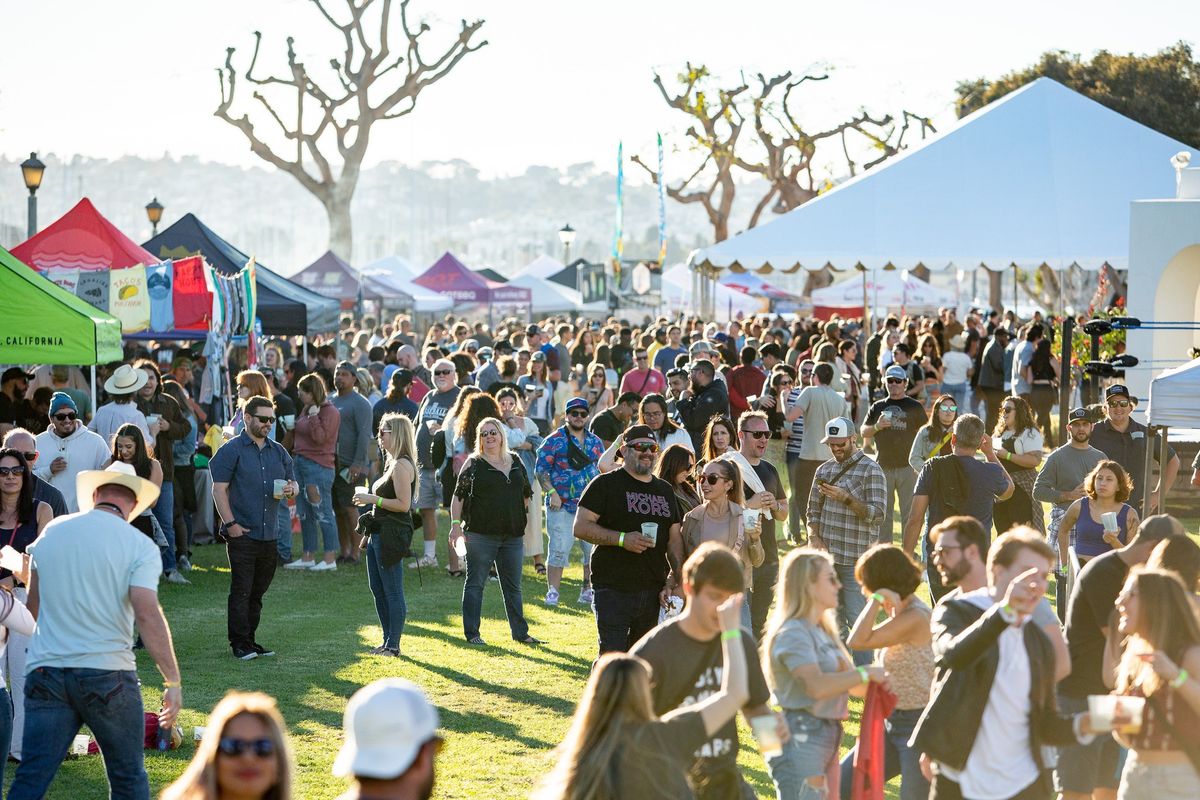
x=662, y=206
x=618, y=247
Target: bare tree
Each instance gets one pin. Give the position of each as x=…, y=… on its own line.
x=331, y=128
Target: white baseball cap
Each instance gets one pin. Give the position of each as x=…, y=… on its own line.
x=386, y=723
x=838, y=428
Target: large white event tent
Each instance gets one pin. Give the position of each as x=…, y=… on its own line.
x=1043, y=175
x=886, y=289
x=546, y=296
x=678, y=297
x=397, y=272
x=1173, y=397
x=541, y=267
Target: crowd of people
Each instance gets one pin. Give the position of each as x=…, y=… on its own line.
x=758, y=509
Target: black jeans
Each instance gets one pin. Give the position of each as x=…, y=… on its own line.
x=622, y=618
x=993, y=398
x=762, y=592
x=946, y=789
x=251, y=568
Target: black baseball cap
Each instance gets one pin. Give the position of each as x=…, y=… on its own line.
x=638, y=432
x=15, y=373
x=1116, y=390
x=1079, y=414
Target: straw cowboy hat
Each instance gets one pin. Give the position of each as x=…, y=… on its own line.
x=120, y=474
x=126, y=380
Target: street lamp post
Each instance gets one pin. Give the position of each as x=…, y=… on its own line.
x=154, y=211
x=31, y=171
x=566, y=235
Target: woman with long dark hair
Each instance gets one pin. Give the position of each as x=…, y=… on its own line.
x=315, y=449
x=933, y=439
x=1042, y=373
x=719, y=519
x=1160, y=663
x=719, y=438
x=677, y=466
x=539, y=392
x=129, y=446
x=930, y=356
x=652, y=412
x=585, y=348
x=1019, y=450
x=244, y=754
x=596, y=390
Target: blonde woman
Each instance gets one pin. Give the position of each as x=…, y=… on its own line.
x=1161, y=663
x=392, y=530
x=616, y=747
x=250, y=383
x=811, y=674
x=487, y=522
x=244, y=754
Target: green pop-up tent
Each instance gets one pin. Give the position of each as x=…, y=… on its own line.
x=41, y=323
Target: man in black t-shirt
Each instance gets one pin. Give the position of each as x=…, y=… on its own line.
x=629, y=570
x=686, y=664
x=1084, y=769
x=893, y=423
x=609, y=423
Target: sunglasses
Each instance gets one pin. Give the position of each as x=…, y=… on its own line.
x=896, y=380
x=262, y=748
x=576, y=413
x=264, y=420
x=644, y=447
x=641, y=357
x=944, y=407
x=30, y=457
x=1008, y=409
x=443, y=372
x=1120, y=404
x=711, y=478
x=65, y=417
x=489, y=432
x=757, y=434
x=4, y=471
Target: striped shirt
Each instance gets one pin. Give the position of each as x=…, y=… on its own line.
x=846, y=534
x=796, y=432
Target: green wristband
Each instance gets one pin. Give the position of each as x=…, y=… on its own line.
x=379, y=502
x=1180, y=679
x=736, y=633
x=621, y=540
x=877, y=597
x=862, y=673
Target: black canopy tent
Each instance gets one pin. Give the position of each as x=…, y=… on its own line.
x=285, y=308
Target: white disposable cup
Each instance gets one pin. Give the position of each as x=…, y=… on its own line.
x=750, y=517
x=199, y=733
x=361, y=490
x=460, y=547
x=228, y=432
x=280, y=485
x=79, y=746
x=289, y=421
x=1102, y=708
x=650, y=531
x=152, y=419
x=1109, y=520
x=767, y=735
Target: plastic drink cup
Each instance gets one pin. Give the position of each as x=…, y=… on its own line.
x=152, y=419
x=1104, y=708
x=767, y=735
x=650, y=531
x=750, y=517
x=1109, y=520
x=198, y=733
x=361, y=490
x=79, y=746
x=289, y=421
x=280, y=485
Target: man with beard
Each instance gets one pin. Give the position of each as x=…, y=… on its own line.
x=13, y=407
x=430, y=414
x=69, y=448
x=630, y=563
x=566, y=464
x=703, y=400
x=391, y=742
x=1125, y=442
x=1061, y=480
x=677, y=384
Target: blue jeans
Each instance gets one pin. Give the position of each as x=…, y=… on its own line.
x=811, y=752
x=283, y=545
x=507, y=553
x=622, y=618
x=164, y=512
x=57, y=702
x=387, y=586
x=850, y=604
x=316, y=519
x=6, y=724
x=899, y=758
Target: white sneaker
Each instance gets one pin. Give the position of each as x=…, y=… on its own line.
x=424, y=561
x=552, y=596
x=324, y=566
x=586, y=597
x=300, y=564
x=174, y=576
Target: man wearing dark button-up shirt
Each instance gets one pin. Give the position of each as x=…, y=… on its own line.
x=244, y=471
x=1125, y=441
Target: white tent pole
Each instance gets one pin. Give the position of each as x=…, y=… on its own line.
x=93, y=389
x=304, y=340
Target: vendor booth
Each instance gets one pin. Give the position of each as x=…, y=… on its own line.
x=884, y=290
x=330, y=276
x=397, y=272
x=450, y=277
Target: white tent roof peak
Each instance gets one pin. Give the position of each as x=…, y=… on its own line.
x=541, y=267
x=1043, y=175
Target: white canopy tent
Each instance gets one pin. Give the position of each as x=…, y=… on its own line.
x=397, y=272
x=678, y=296
x=541, y=267
x=886, y=289
x=546, y=296
x=1043, y=175
x=1173, y=397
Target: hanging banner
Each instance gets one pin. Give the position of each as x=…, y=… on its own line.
x=128, y=300
x=160, y=281
x=618, y=248
x=93, y=288
x=662, y=206
x=64, y=277
x=191, y=299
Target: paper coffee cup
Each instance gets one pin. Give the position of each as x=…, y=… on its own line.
x=1104, y=708
x=1109, y=520
x=650, y=531
x=767, y=735
x=362, y=490
x=280, y=485
x=79, y=746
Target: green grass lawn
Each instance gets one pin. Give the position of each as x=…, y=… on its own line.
x=503, y=707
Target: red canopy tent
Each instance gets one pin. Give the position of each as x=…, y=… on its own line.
x=451, y=277
x=82, y=238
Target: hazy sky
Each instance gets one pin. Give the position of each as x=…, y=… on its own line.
x=560, y=82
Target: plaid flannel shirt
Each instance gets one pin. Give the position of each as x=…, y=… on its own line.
x=846, y=534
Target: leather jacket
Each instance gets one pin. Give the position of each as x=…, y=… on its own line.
x=965, y=643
